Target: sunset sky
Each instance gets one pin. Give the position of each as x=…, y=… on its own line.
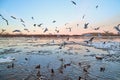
x=106, y=16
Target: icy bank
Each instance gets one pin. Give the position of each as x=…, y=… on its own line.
x=6, y=59
x=106, y=45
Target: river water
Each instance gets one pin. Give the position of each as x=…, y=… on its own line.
x=19, y=57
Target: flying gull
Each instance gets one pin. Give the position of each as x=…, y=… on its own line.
x=13, y=17
x=21, y=20
x=4, y=19
x=46, y=29
x=73, y=2
x=16, y=31
x=117, y=28
x=97, y=28
x=40, y=24
x=86, y=25
x=69, y=29
x=96, y=6
x=53, y=21
x=89, y=41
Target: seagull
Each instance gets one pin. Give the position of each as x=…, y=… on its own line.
x=97, y=28
x=40, y=24
x=3, y=30
x=37, y=67
x=34, y=25
x=77, y=25
x=117, y=28
x=57, y=30
x=26, y=30
x=16, y=31
x=73, y=2
x=4, y=19
x=89, y=41
x=69, y=29
x=32, y=18
x=13, y=17
x=53, y=21
x=102, y=69
x=106, y=32
x=96, y=6
x=46, y=29
x=67, y=39
x=66, y=24
x=83, y=16
x=86, y=25
x=21, y=20
x=52, y=72
x=23, y=25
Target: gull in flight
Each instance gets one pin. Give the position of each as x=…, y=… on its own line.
x=13, y=17
x=117, y=28
x=26, y=30
x=3, y=30
x=40, y=24
x=97, y=28
x=4, y=19
x=69, y=29
x=83, y=16
x=21, y=20
x=32, y=18
x=16, y=31
x=89, y=41
x=96, y=6
x=53, y=21
x=86, y=25
x=45, y=30
x=73, y=2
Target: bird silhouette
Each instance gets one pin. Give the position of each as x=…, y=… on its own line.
x=37, y=67
x=69, y=28
x=16, y=31
x=40, y=24
x=4, y=19
x=53, y=21
x=13, y=17
x=57, y=30
x=34, y=25
x=45, y=30
x=3, y=30
x=89, y=41
x=77, y=25
x=66, y=24
x=97, y=28
x=96, y=6
x=83, y=16
x=21, y=20
x=23, y=25
x=32, y=18
x=117, y=28
x=73, y=2
x=26, y=30
x=86, y=25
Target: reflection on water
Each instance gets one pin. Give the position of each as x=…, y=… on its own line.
x=73, y=61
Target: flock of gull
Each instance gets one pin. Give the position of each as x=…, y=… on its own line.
x=54, y=21
x=52, y=71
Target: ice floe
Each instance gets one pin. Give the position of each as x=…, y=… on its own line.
x=6, y=59
x=106, y=45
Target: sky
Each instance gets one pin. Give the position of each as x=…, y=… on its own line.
x=106, y=16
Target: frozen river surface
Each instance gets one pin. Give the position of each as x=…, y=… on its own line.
x=59, y=59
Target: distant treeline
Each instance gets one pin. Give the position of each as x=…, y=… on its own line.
x=55, y=35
